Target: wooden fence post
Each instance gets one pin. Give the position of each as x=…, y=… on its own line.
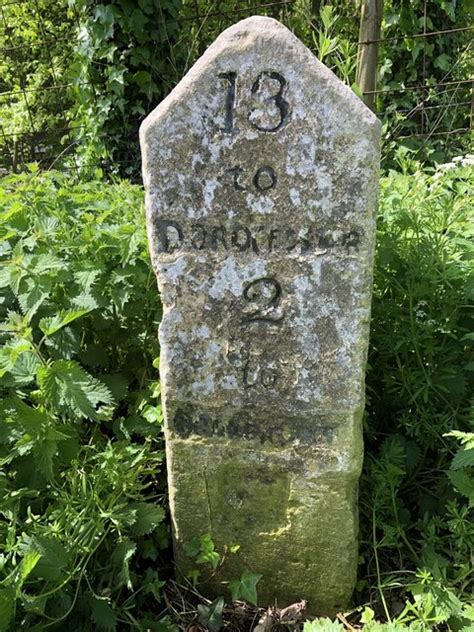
x=369, y=34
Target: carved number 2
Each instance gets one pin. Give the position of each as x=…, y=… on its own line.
x=264, y=294
x=277, y=99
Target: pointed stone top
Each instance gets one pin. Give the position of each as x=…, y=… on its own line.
x=259, y=43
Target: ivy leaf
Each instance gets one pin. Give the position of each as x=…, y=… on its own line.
x=70, y=389
x=246, y=587
x=211, y=616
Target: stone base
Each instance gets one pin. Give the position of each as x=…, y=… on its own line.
x=293, y=515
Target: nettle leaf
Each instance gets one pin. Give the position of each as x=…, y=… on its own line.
x=64, y=344
x=52, y=324
x=44, y=450
x=31, y=419
x=211, y=616
x=246, y=587
x=122, y=555
x=7, y=608
x=33, y=297
x=147, y=517
x=72, y=390
x=85, y=279
x=46, y=262
x=463, y=483
x=463, y=458
x=86, y=301
x=102, y=614
x=10, y=353
x=24, y=369
x=54, y=557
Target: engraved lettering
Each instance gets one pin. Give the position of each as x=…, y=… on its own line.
x=258, y=232
x=218, y=234
x=272, y=236
x=230, y=77
x=264, y=295
x=292, y=238
x=264, y=179
x=170, y=235
x=261, y=85
x=198, y=241
x=236, y=238
x=351, y=240
x=236, y=172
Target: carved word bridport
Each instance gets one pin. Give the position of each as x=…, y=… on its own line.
x=261, y=173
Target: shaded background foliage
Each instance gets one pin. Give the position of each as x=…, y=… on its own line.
x=78, y=76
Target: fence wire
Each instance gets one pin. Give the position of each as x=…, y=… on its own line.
x=27, y=134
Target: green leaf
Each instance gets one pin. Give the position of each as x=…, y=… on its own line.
x=121, y=556
x=86, y=278
x=207, y=552
x=44, y=451
x=322, y=625
x=102, y=614
x=211, y=616
x=7, y=607
x=246, y=587
x=33, y=298
x=148, y=517
x=367, y=615
x=463, y=458
x=54, y=557
x=31, y=419
x=51, y=325
x=463, y=482
x=24, y=370
x=72, y=390
x=28, y=562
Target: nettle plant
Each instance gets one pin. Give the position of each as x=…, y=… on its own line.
x=81, y=518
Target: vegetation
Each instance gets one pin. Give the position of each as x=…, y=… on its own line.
x=81, y=451
x=116, y=59
x=83, y=529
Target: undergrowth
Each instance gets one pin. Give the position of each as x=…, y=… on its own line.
x=83, y=528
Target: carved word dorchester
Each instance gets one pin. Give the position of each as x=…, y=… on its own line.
x=260, y=239
x=260, y=171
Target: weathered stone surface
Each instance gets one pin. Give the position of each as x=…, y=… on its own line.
x=261, y=173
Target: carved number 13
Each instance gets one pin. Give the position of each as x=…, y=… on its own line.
x=279, y=102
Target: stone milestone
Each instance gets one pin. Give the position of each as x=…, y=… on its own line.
x=261, y=174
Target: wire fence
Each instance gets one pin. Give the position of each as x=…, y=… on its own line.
x=39, y=120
